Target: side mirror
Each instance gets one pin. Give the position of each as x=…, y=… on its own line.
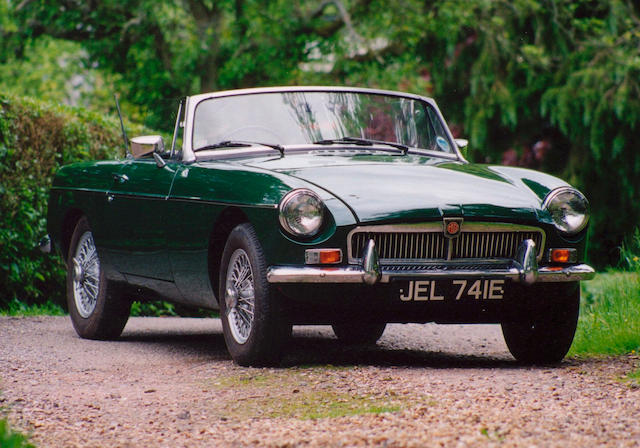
x=145, y=145
x=462, y=142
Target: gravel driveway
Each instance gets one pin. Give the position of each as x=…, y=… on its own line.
x=169, y=382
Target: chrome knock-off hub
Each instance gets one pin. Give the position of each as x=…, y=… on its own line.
x=231, y=297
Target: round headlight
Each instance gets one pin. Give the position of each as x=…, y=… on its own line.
x=568, y=208
x=301, y=212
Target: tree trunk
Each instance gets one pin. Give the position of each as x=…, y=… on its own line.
x=208, y=21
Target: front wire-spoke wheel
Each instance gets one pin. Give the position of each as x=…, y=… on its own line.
x=254, y=321
x=240, y=296
x=96, y=307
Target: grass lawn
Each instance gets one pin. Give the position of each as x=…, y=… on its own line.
x=17, y=308
x=609, y=315
x=12, y=439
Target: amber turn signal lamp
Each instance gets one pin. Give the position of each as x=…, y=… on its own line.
x=323, y=256
x=562, y=255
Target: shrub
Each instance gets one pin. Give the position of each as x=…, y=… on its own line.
x=36, y=138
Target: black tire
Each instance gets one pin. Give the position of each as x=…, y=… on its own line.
x=104, y=315
x=261, y=341
x=546, y=334
x=358, y=333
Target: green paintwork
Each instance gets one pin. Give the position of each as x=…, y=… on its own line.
x=138, y=244
x=155, y=229
x=414, y=188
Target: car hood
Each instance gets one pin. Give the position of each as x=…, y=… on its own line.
x=415, y=188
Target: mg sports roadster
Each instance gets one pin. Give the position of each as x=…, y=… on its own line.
x=347, y=207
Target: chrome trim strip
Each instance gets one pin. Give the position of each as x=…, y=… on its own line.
x=85, y=190
x=222, y=203
x=164, y=197
x=356, y=274
x=152, y=197
x=436, y=227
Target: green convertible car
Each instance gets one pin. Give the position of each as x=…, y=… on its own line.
x=320, y=205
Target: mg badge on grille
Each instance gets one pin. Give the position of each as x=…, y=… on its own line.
x=452, y=227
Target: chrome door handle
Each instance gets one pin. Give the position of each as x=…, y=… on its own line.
x=121, y=178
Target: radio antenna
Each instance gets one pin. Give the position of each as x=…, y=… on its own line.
x=124, y=133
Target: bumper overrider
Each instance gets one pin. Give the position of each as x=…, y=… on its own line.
x=524, y=268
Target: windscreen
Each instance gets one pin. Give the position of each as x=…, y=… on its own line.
x=293, y=118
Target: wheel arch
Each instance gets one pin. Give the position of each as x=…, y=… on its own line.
x=225, y=223
x=71, y=218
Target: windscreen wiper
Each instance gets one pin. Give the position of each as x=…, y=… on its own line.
x=240, y=144
x=362, y=142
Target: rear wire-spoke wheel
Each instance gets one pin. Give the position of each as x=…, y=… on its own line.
x=254, y=320
x=86, y=275
x=96, y=308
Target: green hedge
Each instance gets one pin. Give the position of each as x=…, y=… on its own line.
x=36, y=138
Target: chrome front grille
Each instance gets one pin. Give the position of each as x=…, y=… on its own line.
x=402, y=245
x=417, y=243
x=492, y=244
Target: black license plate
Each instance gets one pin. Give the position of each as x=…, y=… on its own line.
x=452, y=290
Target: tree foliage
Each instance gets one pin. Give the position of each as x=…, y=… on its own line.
x=169, y=48
x=517, y=72
x=58, y=70
x=507, y=73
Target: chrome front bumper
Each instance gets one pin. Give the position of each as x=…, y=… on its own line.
x=524, y=268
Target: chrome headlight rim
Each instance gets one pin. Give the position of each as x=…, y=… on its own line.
x=553, y=195
x=287, y=201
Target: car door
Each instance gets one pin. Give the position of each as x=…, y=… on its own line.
x=137, y=209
